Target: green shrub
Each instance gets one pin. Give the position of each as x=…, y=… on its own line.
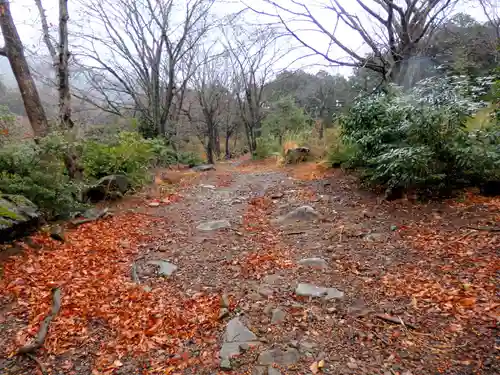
x=266, y=147
x=26, y=169
x=418, y=140
x=130, y=155
x=189, y=158
x=340, y=154
x=163, y=155
x=284, y=117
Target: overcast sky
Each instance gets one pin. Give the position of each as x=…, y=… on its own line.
x=26, y=17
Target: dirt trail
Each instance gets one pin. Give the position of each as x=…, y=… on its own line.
x=418, y=264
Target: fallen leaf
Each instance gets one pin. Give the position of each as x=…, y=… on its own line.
x=467, y=302
x=314, y=368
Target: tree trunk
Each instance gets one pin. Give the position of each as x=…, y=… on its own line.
x=217, y=142
x=63, y=74
x=14, y=51
x=210, y=148
x=226, y=146
x=210, y=151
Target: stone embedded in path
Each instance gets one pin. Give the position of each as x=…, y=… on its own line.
x=273, y=371
x=303, y=213
x=214, y=225
x=203, y=168
x=166, y=268
x=278, y=316
x=260, y=370
x=265, y=291
x=318, y=263
x=310, y=290
x=235, y=336
x=287, y=357
x=211, y=187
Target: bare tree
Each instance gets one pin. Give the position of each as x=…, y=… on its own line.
x=13, y=49
x=399, y=28
x=210, y=81
x=138, y=53
x=253, y=54
x=60, y=57
x=491, y=9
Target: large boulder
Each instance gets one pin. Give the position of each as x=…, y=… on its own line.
x=18, y=216
x=109, y=187
x=297, y=155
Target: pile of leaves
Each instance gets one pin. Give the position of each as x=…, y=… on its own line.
x=102, y=309
x=453, y=281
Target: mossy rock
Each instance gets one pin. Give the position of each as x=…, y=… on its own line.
x=110, y=187
x=18, y=216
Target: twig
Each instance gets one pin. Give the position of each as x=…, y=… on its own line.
x=457, y=239
x=392, y=319
x=38, y=362
x=44, y=327
x=293, y=233
x=489, y=229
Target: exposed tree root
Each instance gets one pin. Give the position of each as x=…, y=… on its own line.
x=44, y=327
x=38, y=362
x=394, y=320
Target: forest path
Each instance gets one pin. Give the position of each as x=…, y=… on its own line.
x=218, y=279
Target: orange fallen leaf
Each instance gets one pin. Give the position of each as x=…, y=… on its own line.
x=314, y=368
x=468, y=302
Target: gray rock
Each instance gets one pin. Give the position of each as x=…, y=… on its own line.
x=267, y=357
x=203, y=168
x=278, y=316
x=310, y=290
x=224, y=313
x=225, y=364
x=166, y=268
x=303, y=213
x=108, y=187
x=273, y=371
x=277, y=356
x=236, y=334
x=319, y=263
x=244, y=346
x=213, y=225
x=271, y=279
x=307, y=346
x=57, y=233
x=268, y=309
x=260, y=370
x=375, y=237
x=265, y=291
x=211, y=187
x=18, y=216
